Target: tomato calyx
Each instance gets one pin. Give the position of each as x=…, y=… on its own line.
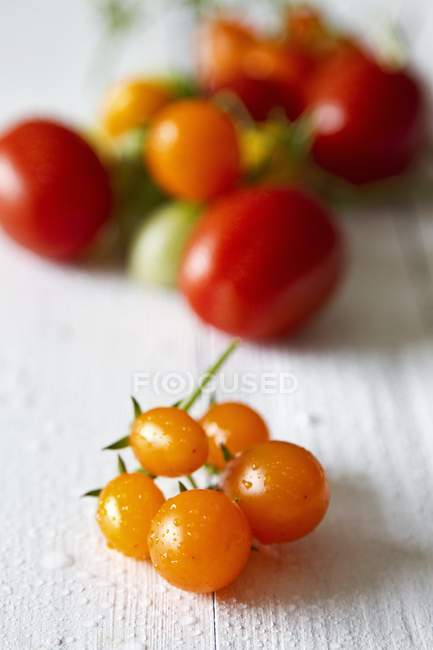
x=137, y=408
x=182, y=487
x=227, y=454
x=121, y=465
x=122, y=443
x=142, y=470
x=122, y=469
x=278, y=149
x=92, y=493
x=211, y=469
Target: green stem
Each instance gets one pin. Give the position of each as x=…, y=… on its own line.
x=227, y=454
x=192, y=481
x=211, y=372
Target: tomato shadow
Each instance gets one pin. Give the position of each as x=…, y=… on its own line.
x=385, y=301
x=349, y=558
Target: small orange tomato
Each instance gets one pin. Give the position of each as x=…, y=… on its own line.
x=305, y=27
x=235, y=425
x=131, y=104
x=281, y=488
x=221, y=47
x=193, y=150
x=199, y=541
x=126, y=507
x=168, y=442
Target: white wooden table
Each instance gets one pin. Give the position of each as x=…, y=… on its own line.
x=71, y=341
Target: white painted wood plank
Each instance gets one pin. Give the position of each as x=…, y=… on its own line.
x=67, y=359
x=71, y=340
x=363, y=579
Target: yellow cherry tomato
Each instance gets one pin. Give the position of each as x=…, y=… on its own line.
x=281, y=488
x=168, y=442
x=131, y=104
x=235, y=425
x=126, y=507
x=199, y=541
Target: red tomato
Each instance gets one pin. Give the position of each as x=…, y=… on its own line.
x=54, y=192
x=368, y=120
x=281, y=74
x=261, y=262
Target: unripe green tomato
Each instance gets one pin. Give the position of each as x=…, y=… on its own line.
x=158, y=245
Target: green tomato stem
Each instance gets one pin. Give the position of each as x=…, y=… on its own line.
x=142, y=470
x=211, y=372
x=227, y=454
x=192, y=481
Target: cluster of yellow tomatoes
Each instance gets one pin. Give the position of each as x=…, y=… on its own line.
x=200, y=540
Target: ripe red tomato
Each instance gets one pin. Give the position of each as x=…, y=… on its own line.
x=54, y=192
x=368, y=120
x=261, y=262
x=281, y=74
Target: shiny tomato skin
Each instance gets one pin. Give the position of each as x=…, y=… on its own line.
x=199, y=541
x=126, y=507
x=235, y=425
x=55, y=194
x=282, y=489
x=167, y=441
x=193, y=150
x=131, y=104
x=261, y=262
x=368, y=120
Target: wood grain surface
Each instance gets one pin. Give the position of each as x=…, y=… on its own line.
x=72, y=340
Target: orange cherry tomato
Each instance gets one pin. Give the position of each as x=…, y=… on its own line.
x=235, y=425
x=264, y=74
x=125, y=509
x=168, y=442
x=310, y=34
x=221, y=47
x=305, y=27
x=132, y=103
x=281, y=488
x=193, y=150
x=199, y=541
